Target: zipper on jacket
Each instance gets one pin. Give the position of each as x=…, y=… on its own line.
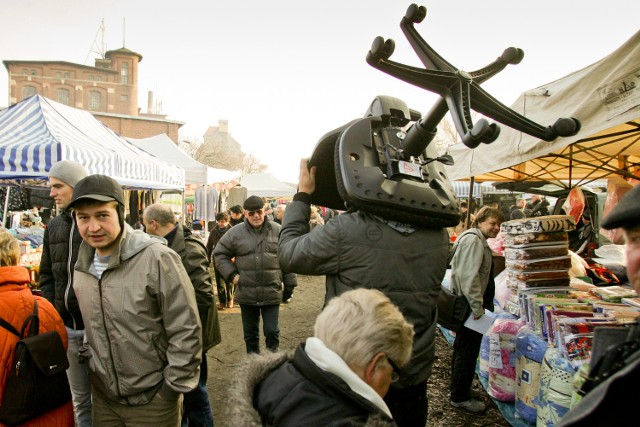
x=106, y=330
x=70, y=273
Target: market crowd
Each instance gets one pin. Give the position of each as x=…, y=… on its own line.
x=136, y=309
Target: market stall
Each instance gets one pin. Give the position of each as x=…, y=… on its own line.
x=604, y=96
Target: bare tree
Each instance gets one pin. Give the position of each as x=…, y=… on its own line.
x=251, y=164
x=218, y=157
x=190, y=146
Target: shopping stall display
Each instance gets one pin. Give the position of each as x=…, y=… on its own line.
x=543, y=335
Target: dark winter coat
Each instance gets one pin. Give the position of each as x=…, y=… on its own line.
x=194, y=259
x=59, y=254
x=214, y=237
x=256, y=261
x=359, y=250
x=288, y=389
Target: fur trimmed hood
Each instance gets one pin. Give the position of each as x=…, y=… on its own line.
x=255, y=368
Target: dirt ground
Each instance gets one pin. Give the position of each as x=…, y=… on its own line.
x=296, y=324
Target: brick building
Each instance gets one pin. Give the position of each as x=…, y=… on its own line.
x=109, y=90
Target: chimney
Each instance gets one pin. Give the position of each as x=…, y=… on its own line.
x=223, y=126
x=150, y=103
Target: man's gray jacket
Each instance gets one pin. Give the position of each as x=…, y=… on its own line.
x=359, y=250
x=141, y=321
x=256, y=261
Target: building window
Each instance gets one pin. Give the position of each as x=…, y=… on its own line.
x=63, y=96
x=25, y=71
x=66, y=75
x=95, y=100
x=124, y=98
x=28, y=91
x=124, y=74
x=98, y=78
x=58, y=75
x=33, y=72
x=91, y=77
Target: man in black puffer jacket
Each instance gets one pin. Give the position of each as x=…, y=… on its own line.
x=59, y=254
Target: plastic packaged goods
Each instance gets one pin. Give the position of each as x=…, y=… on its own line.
x=542, y=224
x=556, y=386
x=502, y=367
x=613, y=293
x=533, y=239
x=530, y=350
x=536, y=252
x=556, y=263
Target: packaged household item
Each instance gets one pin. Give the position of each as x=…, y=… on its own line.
x=537, y=252
x=556, y=386
x=530, y=350
x=502, y=366
x=533, y=239
x=543, y=224
x=613, y=293
x=556, y=263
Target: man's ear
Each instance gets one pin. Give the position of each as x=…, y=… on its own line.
x=371, y=367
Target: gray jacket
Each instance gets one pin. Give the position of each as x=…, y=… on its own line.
x=256, y=261
x=471, y=267
x=141, y=321
x=356, y=250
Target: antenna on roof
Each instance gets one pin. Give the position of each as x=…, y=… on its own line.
x=95, y=48
x=124, y=29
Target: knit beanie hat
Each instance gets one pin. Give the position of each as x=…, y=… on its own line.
x=68, y=172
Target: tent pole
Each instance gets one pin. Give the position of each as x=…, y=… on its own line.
x=206, y=220
x=570, y=165
x=184, y=208
x=470, y=204
x=6, y=206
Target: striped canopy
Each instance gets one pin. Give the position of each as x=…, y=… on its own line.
x=38, y=132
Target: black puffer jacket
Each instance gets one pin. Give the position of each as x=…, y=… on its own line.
x=256, y=261
x=56, y=268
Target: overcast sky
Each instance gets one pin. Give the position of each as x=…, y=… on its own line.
x=283, y=73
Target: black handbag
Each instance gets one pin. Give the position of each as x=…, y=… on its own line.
x=37, y=381
x=453, y=309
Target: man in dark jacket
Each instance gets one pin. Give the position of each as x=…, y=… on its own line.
x=255, y=273
x=159, y=220
x=360, y=250
x=59, y=254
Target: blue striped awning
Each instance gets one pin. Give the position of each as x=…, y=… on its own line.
x=37, y=132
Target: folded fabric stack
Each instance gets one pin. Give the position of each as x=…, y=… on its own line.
x=536, y=255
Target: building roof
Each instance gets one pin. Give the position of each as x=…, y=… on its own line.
x=123, y=50
x=9, y=62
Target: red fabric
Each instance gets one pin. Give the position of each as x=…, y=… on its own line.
x=16, y=303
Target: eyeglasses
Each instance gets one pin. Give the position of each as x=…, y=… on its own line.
x=253, y=213
x=395, y=375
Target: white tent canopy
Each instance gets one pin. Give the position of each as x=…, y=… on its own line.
x=163, y=148
x=38, y=132
x=604, y=96
x=266, y=185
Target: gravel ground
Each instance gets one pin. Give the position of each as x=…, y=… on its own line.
x=296, y=324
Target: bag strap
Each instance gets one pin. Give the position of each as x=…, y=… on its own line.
x=9, y=327
x=35, y=324
x=32, y=321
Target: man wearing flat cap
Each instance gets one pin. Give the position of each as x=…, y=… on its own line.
x=255, y=273
x=143, y=331
x=614, y=392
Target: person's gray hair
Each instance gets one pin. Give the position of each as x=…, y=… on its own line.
x=361, y=323
x=160, y=213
